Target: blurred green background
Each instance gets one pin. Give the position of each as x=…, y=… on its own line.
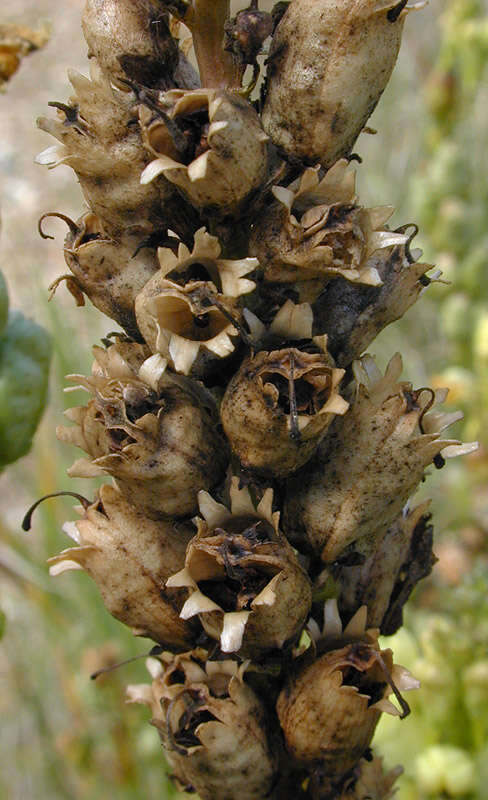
x=64, y=736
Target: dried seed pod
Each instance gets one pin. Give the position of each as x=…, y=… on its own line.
x=187, y=311
x=101, y=142
x=392, y=564
x=330, y=707
x=277, y=408
x=315, y=230
x=212, y=725
x=130, y=557
x=328, y=66
x=353, y=315
x=110, y=272
x=130, y=39
x=244, y=579
x=210, y=144
x=372, y=461
x=154, y=432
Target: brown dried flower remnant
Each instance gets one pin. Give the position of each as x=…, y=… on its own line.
x=244, y=579
x=331, y=705
x=213, y=727
x=277, y=408
x=216, y=152
x=100, y=141
x=330, y=61
x=316, y=230
x=154, y=432
x=17, y=41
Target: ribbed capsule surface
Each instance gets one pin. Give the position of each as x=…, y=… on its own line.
x=330, y=61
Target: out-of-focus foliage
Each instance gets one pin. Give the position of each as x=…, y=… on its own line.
x=450, y=196
x=444, y=745
x=25, y=352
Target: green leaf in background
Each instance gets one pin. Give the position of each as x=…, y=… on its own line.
x=25, y=351
x=3, y=621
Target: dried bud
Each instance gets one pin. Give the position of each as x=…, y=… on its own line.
x=130, y=557
x=101, y=142
x=244, y=579
x=110, y=272
x=129, y=39
x=372, y=461
x=210, y=144
x=212, y=725
x=330, y=707
x=392, y=564
x=187, y=311
x=278, y=407
x=316, y=231
x=154, y=432
x=329, y=64
x=353, y=315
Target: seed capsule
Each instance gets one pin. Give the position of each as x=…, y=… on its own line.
x=108, y=271
x=130, y=557
x=216, y=153
x=212, y=725
x=352, y=315
x=244, y=579
x=330, y=707
x=372, y=461
x=328, y=66
x=278, y=407
x=154, y=432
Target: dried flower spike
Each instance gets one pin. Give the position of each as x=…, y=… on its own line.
x=213, y=727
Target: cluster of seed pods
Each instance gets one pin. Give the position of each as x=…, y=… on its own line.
x=258, y=527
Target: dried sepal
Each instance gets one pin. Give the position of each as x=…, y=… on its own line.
x=244, y=579
x=316, y=230
x=213, y=727
x=130, y=557
x=154, y=432
x=278, y=406
x=328, y=66
x=331, y=704
x=100, y=140
x=373, y=460
x=219, y=159
x=352, y=315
